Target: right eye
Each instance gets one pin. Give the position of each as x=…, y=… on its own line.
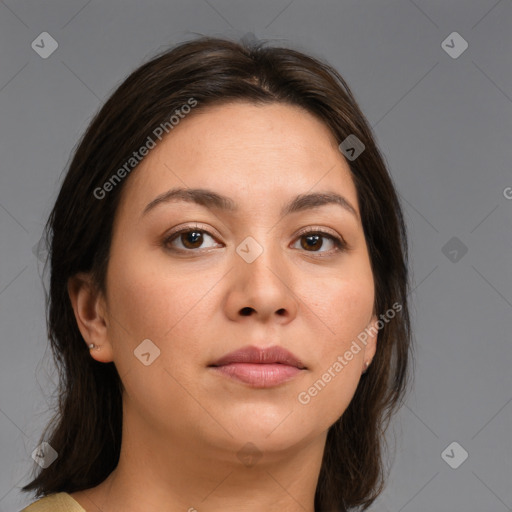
x=188, y=239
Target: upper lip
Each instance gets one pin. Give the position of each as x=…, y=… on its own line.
x=268, y=355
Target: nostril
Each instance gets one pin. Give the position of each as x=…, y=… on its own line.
x=246, y=311
x=281, y=312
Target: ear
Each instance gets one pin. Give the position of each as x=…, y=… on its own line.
x=91, y=315
x=370, y=346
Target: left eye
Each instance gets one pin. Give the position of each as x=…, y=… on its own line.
x=314, y=241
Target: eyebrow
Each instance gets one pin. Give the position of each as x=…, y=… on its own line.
x=213, y=200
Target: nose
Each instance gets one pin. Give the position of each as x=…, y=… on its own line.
x=262, y=289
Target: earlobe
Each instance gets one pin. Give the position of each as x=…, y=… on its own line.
x=371, y=343
x=90, y=316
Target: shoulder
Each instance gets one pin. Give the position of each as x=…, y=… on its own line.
x=58, y=502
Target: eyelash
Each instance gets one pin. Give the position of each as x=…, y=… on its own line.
x=340, y=244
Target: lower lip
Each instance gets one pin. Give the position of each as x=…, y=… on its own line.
x=259, y=375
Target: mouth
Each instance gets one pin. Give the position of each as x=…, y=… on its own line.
x=259, y=367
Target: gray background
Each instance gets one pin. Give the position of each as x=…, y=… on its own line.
x=444, y=125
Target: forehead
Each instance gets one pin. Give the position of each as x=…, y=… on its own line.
x=266, y=149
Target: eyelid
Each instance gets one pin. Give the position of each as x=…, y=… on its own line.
x=318, y=229
x=190, y=227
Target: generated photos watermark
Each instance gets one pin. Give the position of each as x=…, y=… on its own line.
x=304, y=397
x=137, y=156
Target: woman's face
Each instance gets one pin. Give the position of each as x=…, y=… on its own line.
x=274, y=264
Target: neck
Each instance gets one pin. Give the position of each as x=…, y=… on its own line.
x=191, y=475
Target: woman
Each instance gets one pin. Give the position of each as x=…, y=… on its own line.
x=228, y=293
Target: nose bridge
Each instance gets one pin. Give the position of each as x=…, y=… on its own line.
x=261, y=258
x=263, y=281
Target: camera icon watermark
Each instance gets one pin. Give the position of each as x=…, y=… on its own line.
x=507, y=192
x=44, y=45
x=351, y=147
x=249, y=455
x=249, y=249
x=44, y=455
x=40, y=251
x=454, y=455
x=147, y=352
x=454, y=249
x=454, y=45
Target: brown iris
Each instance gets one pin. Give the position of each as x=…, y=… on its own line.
x=312, y=242
x=192, y=239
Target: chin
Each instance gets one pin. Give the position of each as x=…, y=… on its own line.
x=270, y=432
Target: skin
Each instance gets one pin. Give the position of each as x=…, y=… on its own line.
x=183, y=423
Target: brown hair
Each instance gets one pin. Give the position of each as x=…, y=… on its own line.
x=86, y=429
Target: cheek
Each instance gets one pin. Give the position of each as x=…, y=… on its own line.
x=326, y=397
x=148, y=300
x=352, y=308
x=153, y=300
x=341, y=306
x=345, y=305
